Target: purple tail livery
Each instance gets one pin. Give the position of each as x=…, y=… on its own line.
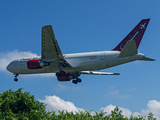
x=136, y=34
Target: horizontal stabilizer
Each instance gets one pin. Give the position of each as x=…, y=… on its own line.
x=147, y=59
x=129, y=49
x=99, y=73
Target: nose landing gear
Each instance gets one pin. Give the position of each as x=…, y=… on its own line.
x=15, y=79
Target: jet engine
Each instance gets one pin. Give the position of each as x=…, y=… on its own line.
x=36, y=64
x=66, y=77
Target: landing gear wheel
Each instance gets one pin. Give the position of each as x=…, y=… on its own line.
x=79, y=80
x=15, y=79
x=58, y=74
x=74, y=81
x=61, y=73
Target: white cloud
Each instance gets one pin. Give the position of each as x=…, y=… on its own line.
x=55, y=103
x=109, y=108
x=132, y=89
x=154, y=107
x=116, y=94
x=62, y=87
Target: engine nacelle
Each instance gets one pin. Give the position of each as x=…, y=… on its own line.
x=36, y=64
x=66, y=77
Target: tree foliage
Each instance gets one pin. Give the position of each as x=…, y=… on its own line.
x=21, y=106
x=18, y=105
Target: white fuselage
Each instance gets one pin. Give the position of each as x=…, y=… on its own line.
x=79, y=61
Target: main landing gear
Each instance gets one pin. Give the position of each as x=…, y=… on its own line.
x=61, y=73
x=70, y=76
x=15, y=79
x=77, y=80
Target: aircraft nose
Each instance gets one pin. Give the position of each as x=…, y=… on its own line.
x=9, y=67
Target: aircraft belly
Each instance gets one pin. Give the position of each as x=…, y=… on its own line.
x=81, y=65
x=118, y=61
x=35, y=71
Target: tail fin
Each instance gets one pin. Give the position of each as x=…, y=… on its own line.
x=136, y=34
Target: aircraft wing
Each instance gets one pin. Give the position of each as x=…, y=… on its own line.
x=99, y=73
x=50, y=50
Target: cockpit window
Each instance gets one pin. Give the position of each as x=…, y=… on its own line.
x=15, y=63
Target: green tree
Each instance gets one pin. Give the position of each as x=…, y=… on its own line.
x=21, y=106
x=116, y=114
x=18, y=105
x=151, y=116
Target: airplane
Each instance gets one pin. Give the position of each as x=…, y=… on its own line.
x=70, y=66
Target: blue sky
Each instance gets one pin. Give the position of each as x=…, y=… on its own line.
x=84, y=26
